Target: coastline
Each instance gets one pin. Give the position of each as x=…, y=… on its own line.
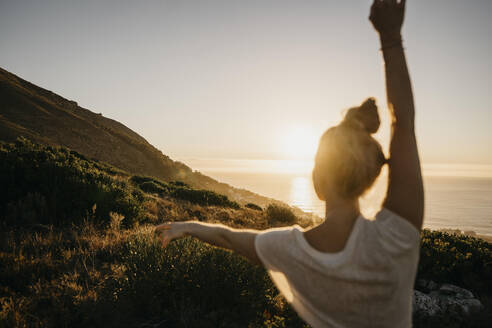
x=459, y=232
x=486, y=238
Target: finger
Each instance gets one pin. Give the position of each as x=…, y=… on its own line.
x=373, y=8
x=377, y=3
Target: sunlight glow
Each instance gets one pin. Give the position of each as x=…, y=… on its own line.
x=302, y=193
x=299, y=142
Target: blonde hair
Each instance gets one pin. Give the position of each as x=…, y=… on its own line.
x=349, y=159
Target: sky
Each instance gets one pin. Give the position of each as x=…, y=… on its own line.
x=256, y=79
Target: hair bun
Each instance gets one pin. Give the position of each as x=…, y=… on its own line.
x=365, y=117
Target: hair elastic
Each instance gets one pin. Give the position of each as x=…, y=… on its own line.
x=394, y=44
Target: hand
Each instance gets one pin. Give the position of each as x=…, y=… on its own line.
x=170, y=231
x=387, y=17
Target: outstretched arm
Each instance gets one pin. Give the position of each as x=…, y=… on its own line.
x=242, y=241
x=405, y=195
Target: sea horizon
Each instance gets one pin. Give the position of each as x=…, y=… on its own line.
x=457, y=195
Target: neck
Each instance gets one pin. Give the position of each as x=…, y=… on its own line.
x=342, y=210
x=333, y=233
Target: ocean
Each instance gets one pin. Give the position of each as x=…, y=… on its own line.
x=456, y=196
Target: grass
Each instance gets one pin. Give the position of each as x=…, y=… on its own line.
x=82, y=276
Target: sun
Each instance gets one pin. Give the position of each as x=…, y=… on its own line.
x=299, y=142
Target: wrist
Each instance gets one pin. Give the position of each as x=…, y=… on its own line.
x=392, y=41
x=390, y=38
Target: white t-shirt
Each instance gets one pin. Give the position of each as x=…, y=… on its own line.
x=367, y=284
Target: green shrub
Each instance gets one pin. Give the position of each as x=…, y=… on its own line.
x=180, y=190
x=277, y=214
x=141, y=180
x=202, y=197
x=457, y=259
x=191, y=284
x=47, y=185
x=152, y=187
x=253, y=207
x=180, y=184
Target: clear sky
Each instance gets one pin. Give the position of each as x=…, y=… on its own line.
x=255, y=79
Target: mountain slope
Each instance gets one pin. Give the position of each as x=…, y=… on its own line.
x=45, y=117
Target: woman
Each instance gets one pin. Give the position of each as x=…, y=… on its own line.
x=348, y=271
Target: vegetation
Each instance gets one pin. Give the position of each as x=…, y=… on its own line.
x=181, y=190
x=84, y=276
x=461, y=260
x=253, y=206
x=457, y=259
x=280, y=214
x=95, y=262
x=202, y=197
x=48, y=185
x=123, y=278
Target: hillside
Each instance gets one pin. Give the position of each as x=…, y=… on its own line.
x=77, y=249
x=70, y=227
x=44, y=117
x=45, y=185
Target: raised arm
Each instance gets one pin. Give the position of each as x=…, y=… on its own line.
x=405, y=195
x=242, y=241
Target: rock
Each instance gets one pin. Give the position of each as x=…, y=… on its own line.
x=456, y=291
x=447, y=300
x=463, y=307
x=426, y=286
x=432, y=286
x=425, y=305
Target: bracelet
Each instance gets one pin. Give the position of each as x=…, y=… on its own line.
x=398, y=43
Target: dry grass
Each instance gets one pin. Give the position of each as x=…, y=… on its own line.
x=83, y=276
x=72, y=275
x=55, y=269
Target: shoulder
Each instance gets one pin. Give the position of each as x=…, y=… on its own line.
x=395, y=233
x=274, y=246
x=277, y=236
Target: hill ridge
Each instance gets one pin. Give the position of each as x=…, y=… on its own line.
x=43, y=116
